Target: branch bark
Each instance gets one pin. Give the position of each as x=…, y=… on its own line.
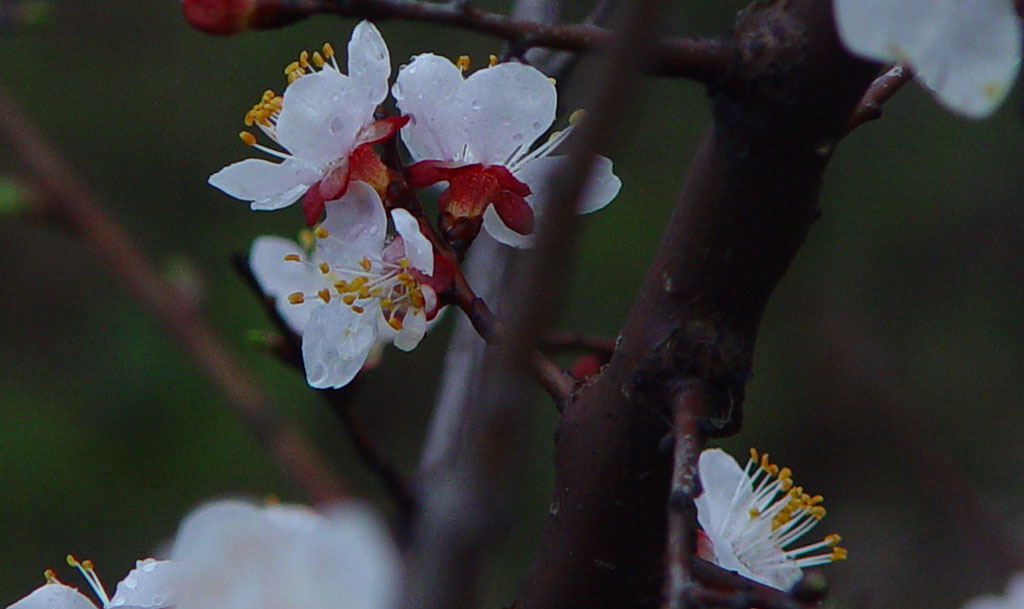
x=750, y=197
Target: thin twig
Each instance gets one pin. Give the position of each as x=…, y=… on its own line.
x=702, y=60
x=373, y=458
x=75, y=205
x=884, y=87
x=568, y=341
x=687, y=408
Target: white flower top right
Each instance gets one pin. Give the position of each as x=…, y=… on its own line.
x=966, y=51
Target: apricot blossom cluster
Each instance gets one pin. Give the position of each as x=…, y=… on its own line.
x=369, y=273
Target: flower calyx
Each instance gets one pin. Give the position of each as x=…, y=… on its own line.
x=471, y=190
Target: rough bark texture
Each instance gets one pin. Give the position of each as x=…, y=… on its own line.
x=750, y=198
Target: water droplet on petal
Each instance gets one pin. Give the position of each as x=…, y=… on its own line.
x=131, y=583
x=412, y=69
x=475, y=104
x=535, y=125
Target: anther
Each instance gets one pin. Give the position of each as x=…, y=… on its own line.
x=364, y=263
x=51, y=577
x=292, y=258
x=577, y=116
x=395, y=323
x=754, y=513
x=304, y=59
x=247, y=138
x=324, y=294
x=321, y=233
x=318, y=59
x=838, y=554
x=296, y=298
x=833, y=540
x=753, y=455
x=293, y=66
x=462, y=63
x=324, y=268
x=349, y=299
x=357, y=309
x=492, y=60
x=328, y=50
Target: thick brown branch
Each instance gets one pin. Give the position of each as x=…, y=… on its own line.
x=74, y=204
x=750, y=197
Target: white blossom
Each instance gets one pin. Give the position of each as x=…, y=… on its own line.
x=152, y=584
x=966, y=51
x=751, y=516
x=357, y=289
x=236, y=555
x=491, y=120
x=323, y=118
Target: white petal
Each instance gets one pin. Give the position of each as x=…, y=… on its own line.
x=369, y=64
x=336, y=343
x=967, y=51
x=720, y=477
x=54, y=596
x=152, y=584
x=239, y=556
x=540, y=175
x=268, y=185
x=504, y=109
x=320, y=116
x=414, y=326
x=351, y=561
x=424, y=90
x=356, y=225
x=279, y=277
x=418, y=249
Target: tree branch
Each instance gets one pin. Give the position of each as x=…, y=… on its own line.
x=465, y=500
x=702, y=60
x=687, y=409
x=884, y=87
x=750, y=197
x=72, y=202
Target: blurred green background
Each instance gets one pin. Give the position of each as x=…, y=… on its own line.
x=888, y=373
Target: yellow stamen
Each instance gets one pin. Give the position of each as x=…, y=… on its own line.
x=492, y=60
x=754, y=513
x=364, y=263
x=349, y=299
x=753, y=455
x=318, y=59
x=51, y=577
x=357, y=309
x=292, y=258
x=324, y=268
x=328, y=50
x=833, y=540
x=304, y=59
x=324, y=294
x=306, y=238
x=577, y=116
x=395, y=323
x=403, y=262
x=838, y=554
x=321, y=233
x=462, y=63
x=296, y=298
x=247, y=138
x=293, y=66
